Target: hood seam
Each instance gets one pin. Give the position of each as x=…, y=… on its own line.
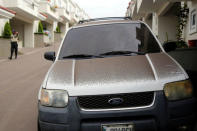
x=152, y=66
x=73, y=73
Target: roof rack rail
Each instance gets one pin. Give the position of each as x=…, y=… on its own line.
x=104, y=18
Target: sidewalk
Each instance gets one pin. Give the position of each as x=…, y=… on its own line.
x=28, y=51
x=21, y=51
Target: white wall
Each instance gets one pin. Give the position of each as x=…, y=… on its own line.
x=1, y=2
x=164, y=25
x=155, y=24
x=188, y=36
x=167, y=24
x=29, y=35
x=35, y=26
x=64, y=29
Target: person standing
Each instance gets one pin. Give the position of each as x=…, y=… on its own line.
x=14, y=44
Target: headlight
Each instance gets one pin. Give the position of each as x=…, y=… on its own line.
x=54, y=98
x=178, y=90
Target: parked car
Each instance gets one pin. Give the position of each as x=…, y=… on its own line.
x=114, y=75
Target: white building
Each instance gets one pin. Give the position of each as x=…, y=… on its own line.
x=24, y=17
x=160, y=15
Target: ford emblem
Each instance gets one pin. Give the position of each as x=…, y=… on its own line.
x=115, y=101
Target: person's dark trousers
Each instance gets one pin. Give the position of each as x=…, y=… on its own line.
x=14, y=48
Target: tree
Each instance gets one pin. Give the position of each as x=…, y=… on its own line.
x=182, y=15
x=7, y=32
x=40, y=28
x=58, y=29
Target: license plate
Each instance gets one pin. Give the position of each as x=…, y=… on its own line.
x=118, y=127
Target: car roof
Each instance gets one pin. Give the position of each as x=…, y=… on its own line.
x=103, y=21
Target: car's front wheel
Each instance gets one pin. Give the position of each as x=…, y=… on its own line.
x=38, y=125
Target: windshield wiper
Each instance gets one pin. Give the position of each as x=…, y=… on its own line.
x=122, y=53
x=82, y=56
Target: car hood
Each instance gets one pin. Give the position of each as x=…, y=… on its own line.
x=112, y=75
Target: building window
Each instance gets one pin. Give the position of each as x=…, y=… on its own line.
x=193, y=22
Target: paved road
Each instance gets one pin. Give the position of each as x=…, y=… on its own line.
x=20, y=81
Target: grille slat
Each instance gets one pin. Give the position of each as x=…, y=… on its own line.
x=131, y=100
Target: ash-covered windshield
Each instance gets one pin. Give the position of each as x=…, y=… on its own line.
x=100, y=39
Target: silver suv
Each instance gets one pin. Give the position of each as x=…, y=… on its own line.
x=113, y=75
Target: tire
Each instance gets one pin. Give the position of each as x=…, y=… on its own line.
x=38, y=125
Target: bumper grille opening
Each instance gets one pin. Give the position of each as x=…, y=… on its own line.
x=130, y=100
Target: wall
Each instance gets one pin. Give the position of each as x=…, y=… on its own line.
x=164, y=23
x=64, y=28
x=167, y=24
x=155, y=24
x=192, y=5
x=29, y=35
x=4, y=48
x=57, y=38
x=35, y=24
x=149, y=22
x=40, y=40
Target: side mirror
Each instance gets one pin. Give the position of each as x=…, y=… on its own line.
x=49, y=56
x=169, y=46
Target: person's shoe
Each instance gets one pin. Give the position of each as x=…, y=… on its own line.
x=10, y=58
x=15, y=57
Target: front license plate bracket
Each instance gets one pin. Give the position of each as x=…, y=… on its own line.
x=118, y=127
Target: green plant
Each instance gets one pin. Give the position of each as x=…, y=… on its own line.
x=58, y=29
x=181, y=44
x=182, y=15
x=7, y=30
x=40, y=28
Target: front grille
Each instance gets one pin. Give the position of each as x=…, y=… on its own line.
x=130, y=100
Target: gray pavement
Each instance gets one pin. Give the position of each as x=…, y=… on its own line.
x=20, y=81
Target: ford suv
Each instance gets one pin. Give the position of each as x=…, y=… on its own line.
x=114, y=75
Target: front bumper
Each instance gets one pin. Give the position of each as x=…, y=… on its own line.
x=161, y=116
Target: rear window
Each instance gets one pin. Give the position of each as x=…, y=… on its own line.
x=98, y=39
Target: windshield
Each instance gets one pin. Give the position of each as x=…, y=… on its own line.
x=100, y=39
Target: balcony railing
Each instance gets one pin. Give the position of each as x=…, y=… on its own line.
x=28, y=7
x=47, y=8
x=29, y=4
x=63, y=13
